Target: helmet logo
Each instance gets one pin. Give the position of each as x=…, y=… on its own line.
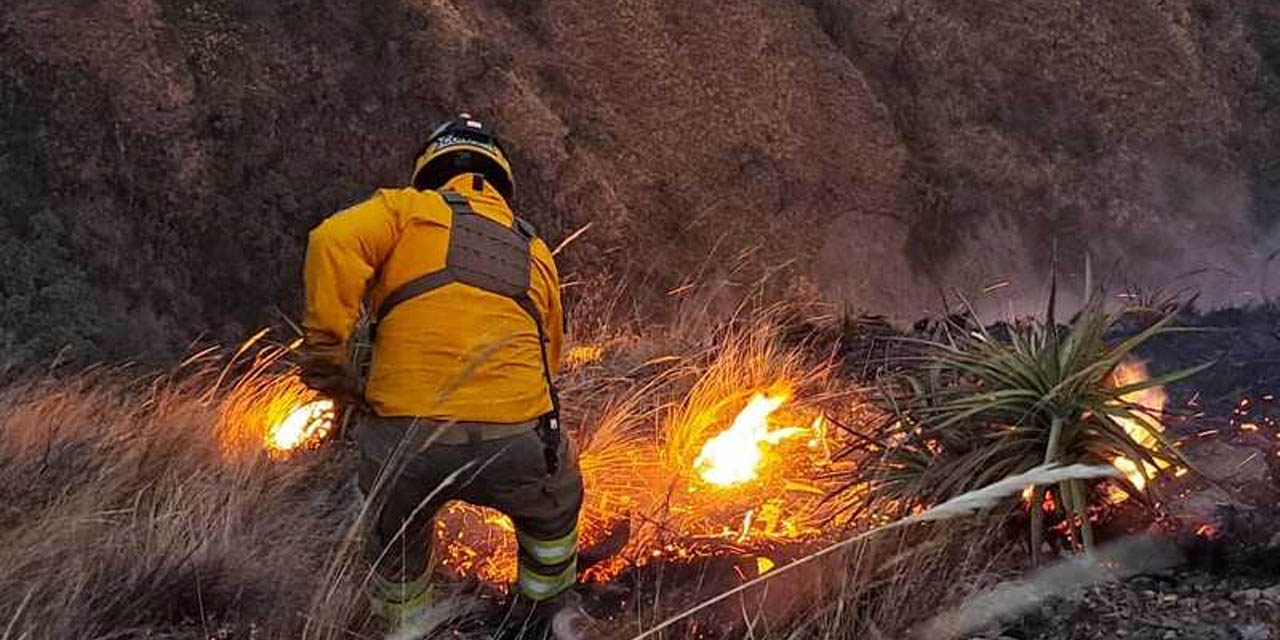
x=449, y=140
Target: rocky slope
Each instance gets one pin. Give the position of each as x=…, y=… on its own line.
x=161, y=160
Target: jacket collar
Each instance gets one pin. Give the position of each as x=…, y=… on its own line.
x=464, y=184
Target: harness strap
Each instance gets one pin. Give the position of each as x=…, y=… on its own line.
x=526, y=303
x=413, y=289
x=461, y=208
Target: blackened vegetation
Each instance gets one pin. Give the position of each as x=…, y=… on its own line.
x=1245, y=344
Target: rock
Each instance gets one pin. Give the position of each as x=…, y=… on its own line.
x=1254, y=632
x=1248, y=596
x=1272, y=593
x=1228, y=463
x=1275, y=541
x=1201, y=507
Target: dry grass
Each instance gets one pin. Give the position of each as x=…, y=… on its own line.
x=148, y=506
x=983, y=499
x=123, y=514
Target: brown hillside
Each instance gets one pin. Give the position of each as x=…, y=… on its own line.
x=162, y=159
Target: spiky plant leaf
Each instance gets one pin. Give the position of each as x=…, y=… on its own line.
x=998, y=403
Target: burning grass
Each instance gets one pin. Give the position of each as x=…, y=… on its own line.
x=218, y=507
x=204, y=502
x=720, y=451
x=124, y=515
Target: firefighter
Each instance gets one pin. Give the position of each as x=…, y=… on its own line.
x=460, y=395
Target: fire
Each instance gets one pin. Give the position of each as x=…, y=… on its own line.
x=753, y=489
x=734, y=456
x=307, y=423
x=667, y=481
x=764, y=565
x=1149, y=402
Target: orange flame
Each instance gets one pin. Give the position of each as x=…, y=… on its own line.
x=308, y=423
x=733, y=456
x=1150, y=404
x=640, y=473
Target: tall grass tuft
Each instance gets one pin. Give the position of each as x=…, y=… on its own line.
x=124, y=516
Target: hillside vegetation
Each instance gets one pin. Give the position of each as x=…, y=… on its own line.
x=162, y=160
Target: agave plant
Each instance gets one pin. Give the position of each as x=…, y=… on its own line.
x=991, y=404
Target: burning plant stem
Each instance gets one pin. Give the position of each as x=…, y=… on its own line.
x=1037, y=502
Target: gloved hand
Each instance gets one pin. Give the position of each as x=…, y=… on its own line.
x=339, y=381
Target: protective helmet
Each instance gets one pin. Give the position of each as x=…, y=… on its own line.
x=463, y=145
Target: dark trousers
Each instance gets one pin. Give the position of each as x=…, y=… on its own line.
x=410, y=468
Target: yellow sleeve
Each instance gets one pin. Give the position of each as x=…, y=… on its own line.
x=553, y=313
x=343, y=254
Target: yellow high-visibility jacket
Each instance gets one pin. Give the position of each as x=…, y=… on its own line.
x=454, y=353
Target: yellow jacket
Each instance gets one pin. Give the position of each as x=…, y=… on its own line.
x=455, y=353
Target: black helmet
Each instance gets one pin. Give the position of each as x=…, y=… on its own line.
x=463, y=145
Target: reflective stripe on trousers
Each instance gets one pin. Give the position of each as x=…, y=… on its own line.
x=546, y=567
x=549, y=552
x=398, y=602
x=537, y=586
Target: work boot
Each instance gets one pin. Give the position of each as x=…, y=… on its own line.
x=558, y=618
x=571, y=621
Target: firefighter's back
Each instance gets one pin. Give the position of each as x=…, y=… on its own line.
x=458, y=352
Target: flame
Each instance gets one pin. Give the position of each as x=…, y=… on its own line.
x=1116, y=495
x=1130, y=470
x=640, y=473
x=307, y=423
x=734, y=456
x=1150, y=403
x=626, y=481
x=643, y=490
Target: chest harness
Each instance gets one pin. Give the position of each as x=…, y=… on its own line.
x=496, y=258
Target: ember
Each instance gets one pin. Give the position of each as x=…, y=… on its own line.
x=1208, y=532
